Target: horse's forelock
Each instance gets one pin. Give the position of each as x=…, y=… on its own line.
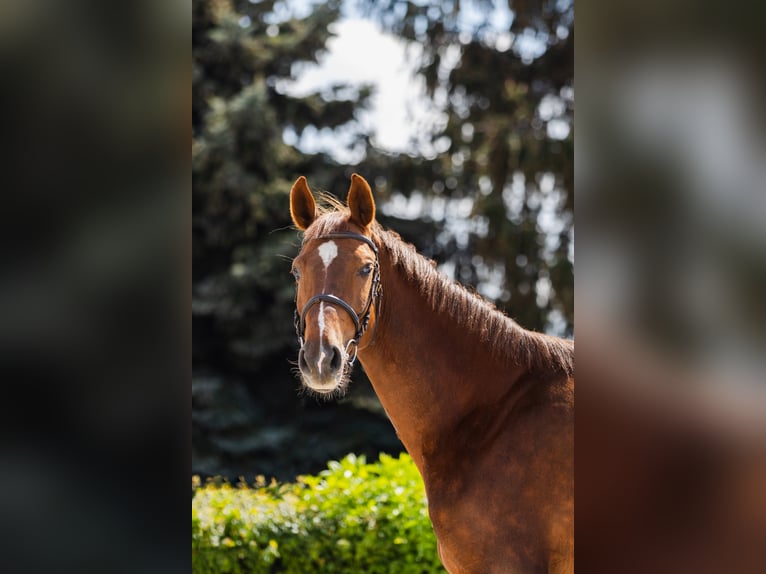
x=334, y=217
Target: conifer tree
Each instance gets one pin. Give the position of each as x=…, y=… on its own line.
x=507, y=145
x=242, y=170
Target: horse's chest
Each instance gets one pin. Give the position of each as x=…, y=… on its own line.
x=477, y=535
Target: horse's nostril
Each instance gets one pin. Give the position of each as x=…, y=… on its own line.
x=302, y=364
x=336, y=359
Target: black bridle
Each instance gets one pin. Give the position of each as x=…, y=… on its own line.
x=362, y=320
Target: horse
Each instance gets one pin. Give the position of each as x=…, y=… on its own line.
x=484, y=407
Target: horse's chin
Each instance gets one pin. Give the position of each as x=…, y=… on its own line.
x=329, y=390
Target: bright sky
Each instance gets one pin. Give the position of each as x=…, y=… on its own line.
x=361, y=54
x=400, y=118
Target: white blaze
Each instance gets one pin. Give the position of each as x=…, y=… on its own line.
x=321, y=332
x=321, y=320
x=328, y=251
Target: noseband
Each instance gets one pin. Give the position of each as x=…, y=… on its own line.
x=361, y=321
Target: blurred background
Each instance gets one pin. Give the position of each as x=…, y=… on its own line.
x=671, y=204
x=459, y=114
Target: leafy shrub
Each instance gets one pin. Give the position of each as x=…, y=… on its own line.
x=353, y=517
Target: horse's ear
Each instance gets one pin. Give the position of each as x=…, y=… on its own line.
x=360, y=201
x=302, y=207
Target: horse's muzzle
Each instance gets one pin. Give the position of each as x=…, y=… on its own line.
x=321, y=366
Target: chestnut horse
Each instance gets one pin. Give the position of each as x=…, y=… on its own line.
x=484, y=407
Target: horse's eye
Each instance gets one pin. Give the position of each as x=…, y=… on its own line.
x=296, y=274
x=366, y=270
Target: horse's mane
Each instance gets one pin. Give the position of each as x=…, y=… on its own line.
x=507, y=339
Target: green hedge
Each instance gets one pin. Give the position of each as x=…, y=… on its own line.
x=353, y=517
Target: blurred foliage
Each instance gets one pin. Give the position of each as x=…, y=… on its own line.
x=353, y=517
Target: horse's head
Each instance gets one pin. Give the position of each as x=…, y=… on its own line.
x=337, y=276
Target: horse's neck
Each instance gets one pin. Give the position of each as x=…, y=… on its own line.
x=428, y=373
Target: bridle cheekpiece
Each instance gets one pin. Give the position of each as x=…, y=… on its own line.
x=362, y=320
